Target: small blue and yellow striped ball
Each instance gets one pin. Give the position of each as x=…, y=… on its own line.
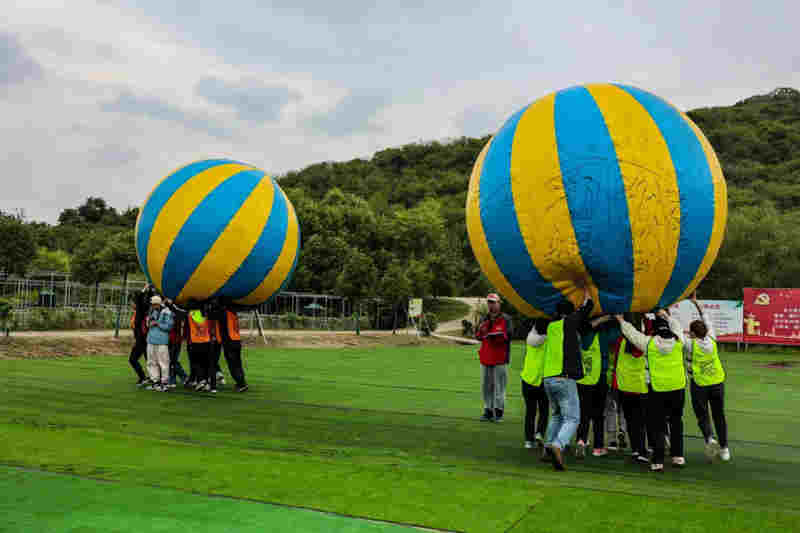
x=218, y=228
x=604, y=185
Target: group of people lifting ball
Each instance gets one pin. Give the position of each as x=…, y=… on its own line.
x=209, y=328
x=580, y=371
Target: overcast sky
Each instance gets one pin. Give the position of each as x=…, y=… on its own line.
x=105, y=98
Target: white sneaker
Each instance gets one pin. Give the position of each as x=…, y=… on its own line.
x=725, y=454
x=528, y=444
x=656, y=468
x=711, y=449
x=679, y=462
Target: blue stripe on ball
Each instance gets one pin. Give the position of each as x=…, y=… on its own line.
x=265, y=253
x=159, y=197
x=695, y=187
x=586, y=153
x=204, y=226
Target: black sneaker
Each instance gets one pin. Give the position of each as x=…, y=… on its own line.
x=242, y=388
x=498, y=415
x=142, y=382
x=622, y=441
x=613, y=445
x=487, y=416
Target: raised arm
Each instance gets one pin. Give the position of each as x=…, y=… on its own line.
x=600, y=320
x=638, y=339
x=709, y=325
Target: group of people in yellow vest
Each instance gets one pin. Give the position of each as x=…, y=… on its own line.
x=573, y=363
x=159, y=331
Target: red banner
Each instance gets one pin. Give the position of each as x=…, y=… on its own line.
x=771, y=316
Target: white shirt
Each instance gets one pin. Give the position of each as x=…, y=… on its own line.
x=641, y=341
x=534, y=339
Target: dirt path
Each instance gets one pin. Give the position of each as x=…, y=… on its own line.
x=455, y=325
x=59, y=344
x=69, y=334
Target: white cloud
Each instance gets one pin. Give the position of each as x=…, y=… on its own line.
x=111, y=96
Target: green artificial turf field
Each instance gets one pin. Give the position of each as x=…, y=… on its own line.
x=388, y=434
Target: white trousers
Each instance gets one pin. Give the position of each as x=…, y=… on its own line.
x=158, y=363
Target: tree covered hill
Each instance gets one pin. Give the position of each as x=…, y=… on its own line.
x=394, y=225
x=757, y=141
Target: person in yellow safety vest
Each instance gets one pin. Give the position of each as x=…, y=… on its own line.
x=667, y=388
x=592, y=388
x=562, y=367
x=630, y=379
x=707, y=383
x=532, y=390
x=198, y=346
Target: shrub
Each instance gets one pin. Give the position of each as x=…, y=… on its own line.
x=429, y=323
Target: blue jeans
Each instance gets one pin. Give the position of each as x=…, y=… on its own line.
x=566, y=411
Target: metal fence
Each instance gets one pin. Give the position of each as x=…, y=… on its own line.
x=51, y=300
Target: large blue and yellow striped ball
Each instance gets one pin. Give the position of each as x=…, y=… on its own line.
x=604, y=185
x=218, y=228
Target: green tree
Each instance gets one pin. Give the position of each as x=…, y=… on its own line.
x=70, y=217
x=89, y=266
x=67, y=237
x=420, y=278
x=119, y=254
x=94, y=209
x=358, y=278
x=129, y=217
x=17, y=245
x=394, y=285
x=47, y=260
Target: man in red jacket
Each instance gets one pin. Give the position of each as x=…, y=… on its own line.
x=494, y=333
